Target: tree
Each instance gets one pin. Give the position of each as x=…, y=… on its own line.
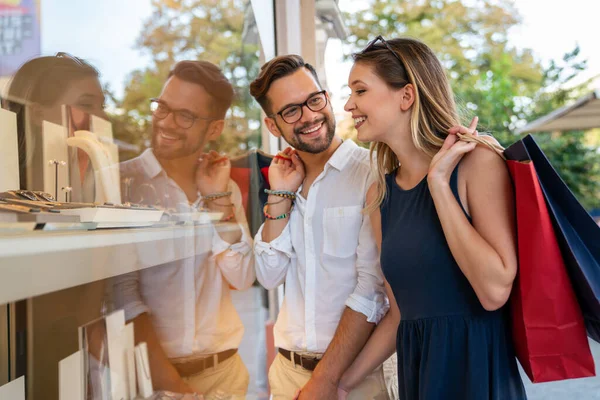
x=503, y=85
x=210, y=30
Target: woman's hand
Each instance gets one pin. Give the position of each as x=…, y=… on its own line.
x=452, y=151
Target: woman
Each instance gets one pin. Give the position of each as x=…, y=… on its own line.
x=443, y=212
x=37, y=93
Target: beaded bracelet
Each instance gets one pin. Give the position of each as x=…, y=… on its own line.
x=213, y=202
x=282, y=216
x=277, y=202
x=213, y=196
x=281, y=193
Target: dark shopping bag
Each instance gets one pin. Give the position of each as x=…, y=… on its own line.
x=578, y=236
x=548, y=329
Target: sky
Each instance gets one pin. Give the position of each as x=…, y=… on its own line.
x=548, y=28
x=104, y=32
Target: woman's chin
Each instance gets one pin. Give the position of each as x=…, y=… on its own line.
x=363, y=137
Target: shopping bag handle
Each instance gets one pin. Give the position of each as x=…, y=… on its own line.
x=492, y=144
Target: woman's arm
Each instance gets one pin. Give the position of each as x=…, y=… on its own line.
x=485, y=250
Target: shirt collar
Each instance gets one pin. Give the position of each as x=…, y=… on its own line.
x=150, y=164
x=342, y=155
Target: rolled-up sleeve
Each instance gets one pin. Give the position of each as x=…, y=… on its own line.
x=274, y=258
x=236, y=260
x=127, y=296
x=369, y=296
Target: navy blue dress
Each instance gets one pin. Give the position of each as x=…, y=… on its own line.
x=449, y=347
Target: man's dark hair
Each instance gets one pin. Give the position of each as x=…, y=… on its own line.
x=210, y=77
x=277, y=68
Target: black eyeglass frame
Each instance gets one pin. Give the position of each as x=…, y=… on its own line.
x=170, y=110
x=301, y=105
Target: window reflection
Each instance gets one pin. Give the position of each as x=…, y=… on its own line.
x=193, y=300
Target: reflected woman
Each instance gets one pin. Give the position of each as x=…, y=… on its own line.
x=37, y=92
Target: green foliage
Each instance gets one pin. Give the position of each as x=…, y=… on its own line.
x=210, y=30
x=577, y=164
x=501, y=84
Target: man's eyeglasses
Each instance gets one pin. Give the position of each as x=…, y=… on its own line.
x=293, y=113
x=380, y=38
x=183, y=118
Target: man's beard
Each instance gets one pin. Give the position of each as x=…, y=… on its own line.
x=184, y=149
x=313, y=148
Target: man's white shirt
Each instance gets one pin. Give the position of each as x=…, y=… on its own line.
x=189, y=300
x=326, y=256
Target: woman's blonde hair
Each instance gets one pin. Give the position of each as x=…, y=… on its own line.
x=400, y=62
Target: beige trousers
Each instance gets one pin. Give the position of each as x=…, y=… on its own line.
x=285, y=379
x=227, y=378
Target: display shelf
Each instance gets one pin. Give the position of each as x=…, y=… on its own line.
x=38, y=262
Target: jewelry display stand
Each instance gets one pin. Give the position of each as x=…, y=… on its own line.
x=108, y=186
x=101, y=128
x=70, y=377
x=55, y=155
x=14, y=390
x=9, y=152
x=198, y=217
x=129, y=343
x=115, y=324
x=106, y=217
x=142, y=366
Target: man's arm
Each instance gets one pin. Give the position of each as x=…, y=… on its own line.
x=366, y=306
x=350, y=337
x=164, y=375
x=126, y=295
x=235, y=260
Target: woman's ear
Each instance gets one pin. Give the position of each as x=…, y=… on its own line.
x=408, y=97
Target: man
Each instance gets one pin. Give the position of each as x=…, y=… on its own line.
x=324, y=251
x=183, y=310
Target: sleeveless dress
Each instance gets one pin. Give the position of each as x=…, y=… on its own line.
x=449, y=347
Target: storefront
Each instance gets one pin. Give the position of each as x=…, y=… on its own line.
x=58, y=269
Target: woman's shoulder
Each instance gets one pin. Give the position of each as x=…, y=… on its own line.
x=482, y=159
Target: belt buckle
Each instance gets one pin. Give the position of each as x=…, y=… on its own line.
x=205, y=362
x=202, y=365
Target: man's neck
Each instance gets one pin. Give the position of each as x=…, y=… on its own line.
x=181, y=169
x=315, y=163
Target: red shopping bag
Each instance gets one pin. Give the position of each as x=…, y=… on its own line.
x=548, y=327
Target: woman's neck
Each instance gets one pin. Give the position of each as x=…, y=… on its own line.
x=414, y=163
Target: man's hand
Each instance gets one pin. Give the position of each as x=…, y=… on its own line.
x=342, y=393
x=212, y=174
x=286, y=174
x=319, y=389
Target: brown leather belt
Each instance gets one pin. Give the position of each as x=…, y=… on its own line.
x=305, y=362
x=194, y=367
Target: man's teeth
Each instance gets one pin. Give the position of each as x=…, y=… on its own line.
x=311, y=130
x=359, y=120
x=166, y=136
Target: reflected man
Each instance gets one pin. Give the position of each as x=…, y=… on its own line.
x=183, y=309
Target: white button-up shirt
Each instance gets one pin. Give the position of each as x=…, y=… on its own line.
x=189, y=300
x=326, y=256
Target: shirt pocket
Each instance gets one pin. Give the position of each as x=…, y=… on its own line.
x=341, y=228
